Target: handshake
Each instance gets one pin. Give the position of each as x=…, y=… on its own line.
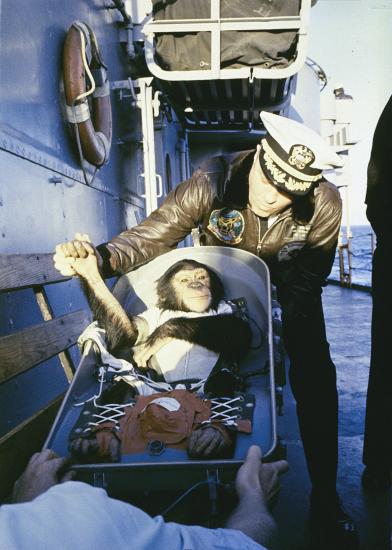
x=78, y=257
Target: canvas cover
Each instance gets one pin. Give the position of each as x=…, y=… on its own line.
x=181, y=52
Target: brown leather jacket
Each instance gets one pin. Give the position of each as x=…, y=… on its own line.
x=215, y=199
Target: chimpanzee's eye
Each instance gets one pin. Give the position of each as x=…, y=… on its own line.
x=184, y=280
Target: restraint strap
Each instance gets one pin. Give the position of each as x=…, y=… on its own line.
x=78, y=113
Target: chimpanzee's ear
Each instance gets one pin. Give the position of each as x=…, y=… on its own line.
x=167, y=297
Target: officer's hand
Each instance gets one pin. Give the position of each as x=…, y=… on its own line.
x=67, y=252
x=254, y=477
x=44, y=470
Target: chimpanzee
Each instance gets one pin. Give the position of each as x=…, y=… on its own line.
x=181, y=338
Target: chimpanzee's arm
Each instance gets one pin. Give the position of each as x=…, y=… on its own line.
x=121, y=330
x=220, y=333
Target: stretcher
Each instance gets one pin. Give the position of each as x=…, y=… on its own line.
x=245, y=277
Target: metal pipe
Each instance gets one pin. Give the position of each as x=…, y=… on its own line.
x=119, y=5
x=349, y=236
x=187, y=159
x=182, y=149
x=145, y=103
x=127, y=25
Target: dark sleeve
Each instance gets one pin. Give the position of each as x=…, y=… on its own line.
x=379, y=184
x=299, y=281
x=182, y=210
x=304, y=332
x=299, y=287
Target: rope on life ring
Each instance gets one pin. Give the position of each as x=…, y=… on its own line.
x=93, y=131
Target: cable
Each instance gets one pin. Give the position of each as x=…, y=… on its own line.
x=101, y=380
x=86, y=67
x=190, y=490
x=80, y=151
x=250, y=319
x=316, y=68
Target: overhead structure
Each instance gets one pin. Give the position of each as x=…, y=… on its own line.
x=220, y=62
x=216, y=64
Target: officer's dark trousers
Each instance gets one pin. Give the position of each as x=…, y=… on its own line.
x=378, y=424
x=313, y=382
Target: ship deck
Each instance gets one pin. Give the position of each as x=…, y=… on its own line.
x=348, y=320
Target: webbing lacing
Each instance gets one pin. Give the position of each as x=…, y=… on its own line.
x=226, y=410
x=109, y=413
x=101, y=380
x=117, y=410
x=223, y=409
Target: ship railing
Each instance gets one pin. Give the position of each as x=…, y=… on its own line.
x=346, y=254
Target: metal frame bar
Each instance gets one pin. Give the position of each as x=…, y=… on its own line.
x=145, y=104
x=215, y=25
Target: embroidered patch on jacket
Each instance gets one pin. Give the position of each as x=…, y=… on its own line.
x=227, y=225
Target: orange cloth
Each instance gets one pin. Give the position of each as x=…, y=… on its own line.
x=145, y=422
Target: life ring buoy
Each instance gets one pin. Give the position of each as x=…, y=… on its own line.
x=92, y=130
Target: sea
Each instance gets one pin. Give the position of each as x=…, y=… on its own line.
x=361, y=244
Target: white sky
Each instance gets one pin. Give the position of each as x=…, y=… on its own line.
x=352, y=41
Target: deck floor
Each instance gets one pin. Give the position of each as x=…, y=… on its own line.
x=348, y=316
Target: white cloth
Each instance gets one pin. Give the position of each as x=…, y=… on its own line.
x=97, y=335
x=182, y=360
x=75, y=515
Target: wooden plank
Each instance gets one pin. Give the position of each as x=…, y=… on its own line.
x=20, y=443
x=47, y=314
x=23, y=270
x=28, y=347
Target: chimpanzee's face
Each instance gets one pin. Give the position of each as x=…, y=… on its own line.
x=193, y=289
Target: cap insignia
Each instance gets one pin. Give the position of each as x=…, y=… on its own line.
x=301, y=156
x=283, y=179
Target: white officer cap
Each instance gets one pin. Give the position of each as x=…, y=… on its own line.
x=293, y=156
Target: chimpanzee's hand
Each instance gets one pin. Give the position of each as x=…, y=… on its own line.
x=207, y=443
x=143, y=352
x=87, y=268
x=101, y=446
x=42, y=472
x=66, y=253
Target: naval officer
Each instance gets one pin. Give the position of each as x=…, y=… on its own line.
x=275, y=203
